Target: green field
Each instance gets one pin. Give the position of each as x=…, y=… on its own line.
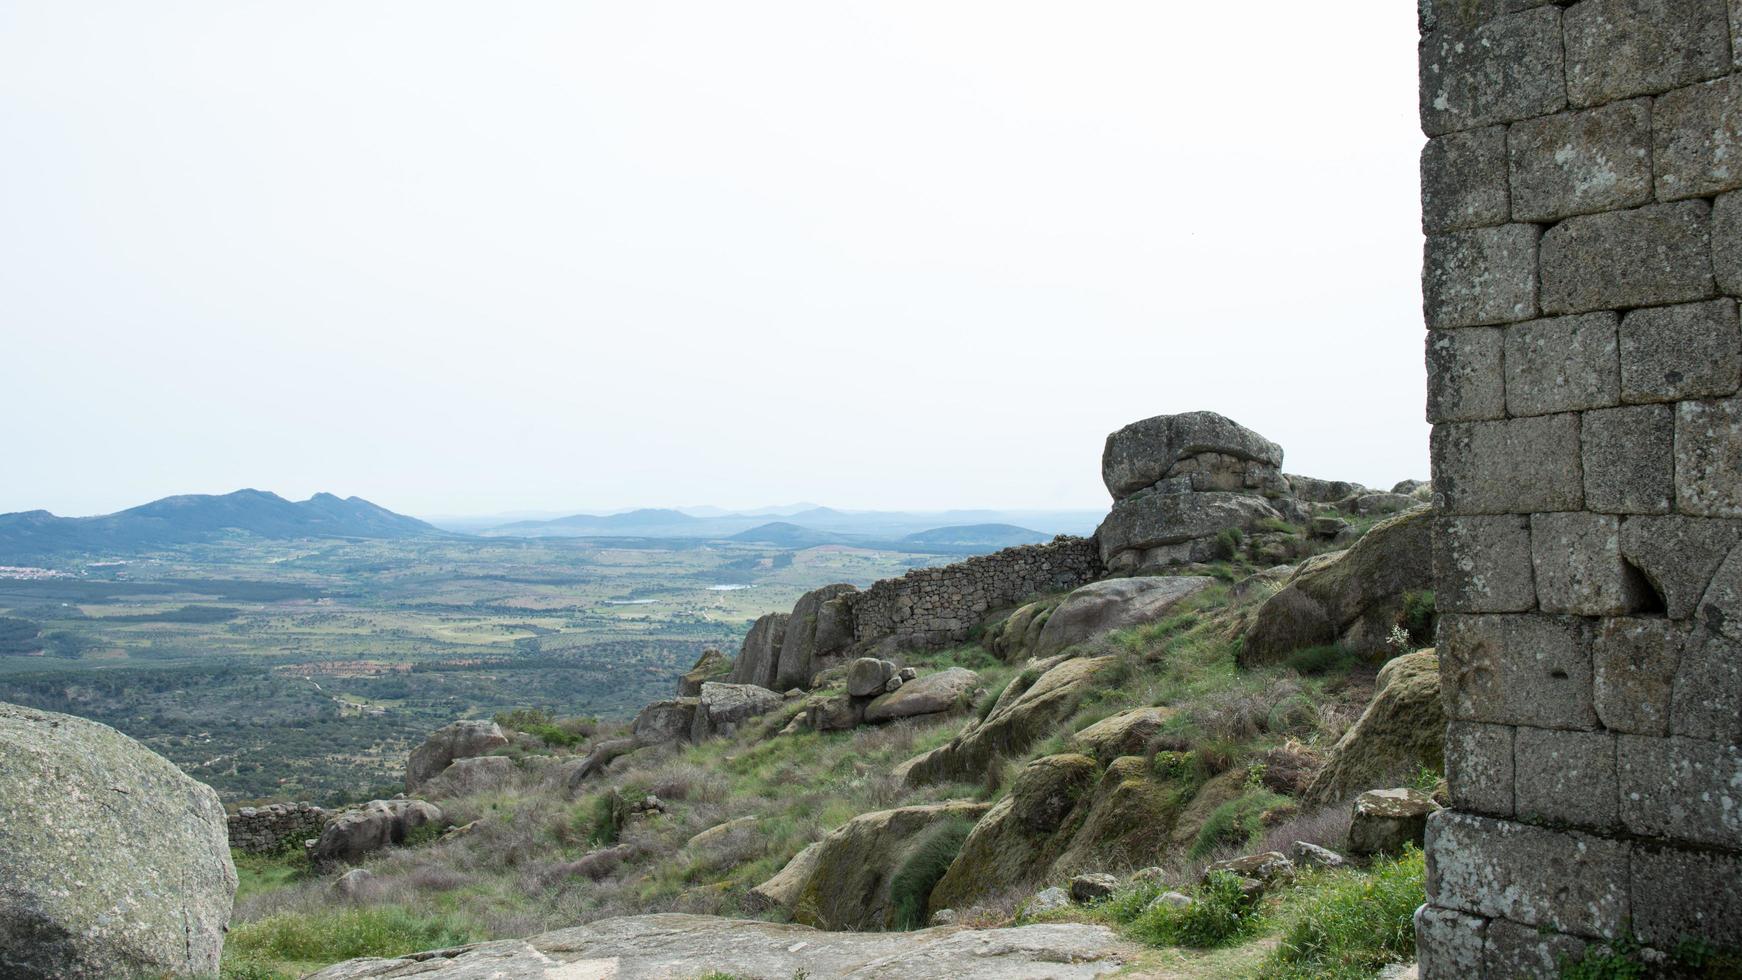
x=307, y=670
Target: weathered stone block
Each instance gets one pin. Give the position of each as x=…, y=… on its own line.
x=1463, y=180
x=1679, y=895
x=1577, y=559
x=1482, y=564
x=1568, y=881
x=1482, y=276
x=1465, y=380
x=1708, y=458
x=1679, y=556
x=1620, y=48
x=1581, y=162
x=1673, y=352
x=1629, y=459
x=1517, y=670
x=1727, y=239
x=1566, y=778
x=1562, y=364
x=1509, y=467
x=1467, y=14
x=1706, y=699
x=1634, y=663
x=1687, y=789
x=1449, y=943
x=1697, y=136
x=1649, y=256
x=1510, y=67
x=1479, y=769
x=1514, y=951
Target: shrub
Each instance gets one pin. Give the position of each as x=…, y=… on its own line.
x=1419, y=614
x=1356, y=925
x=1220, y=915
x=923, y=868
x=1228, y=542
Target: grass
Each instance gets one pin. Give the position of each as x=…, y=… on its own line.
x=923, y=868
x=289, y=942
x=1354, y=924
x=260, y=873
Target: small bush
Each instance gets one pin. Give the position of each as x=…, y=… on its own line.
x=1419, y=614
x=1357, y=925
x=1228, y=542
x=1220, y=915
x=923, y=868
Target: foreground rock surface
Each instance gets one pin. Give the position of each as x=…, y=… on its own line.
x=645, y=947
x=460, y=740
x=112, y=862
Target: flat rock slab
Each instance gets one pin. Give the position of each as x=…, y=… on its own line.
x=672, y=946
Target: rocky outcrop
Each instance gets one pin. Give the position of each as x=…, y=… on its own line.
x=759, y=658
x=1102, y=607
x=1351, y=597
x=711, y=666
x=371, y=827
x=468, y=777
x=1387, y=820
x=1202, y=450
x=1157, y=528
x=812, y=633
x=1126, y=733
x=868, y=676
x=1012, y=639
x=1401, y=733
x=931, y=694
x=1021, y=717
x=844, y=880
x=723, y=707
x=460, y=740
x=658, y=947
x=113, y=863
x=602, y=754
x=671, y=720
x=1315, y=491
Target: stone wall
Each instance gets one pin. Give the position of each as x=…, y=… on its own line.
x=935, y=606
x=275, y=828
x=1582, y=199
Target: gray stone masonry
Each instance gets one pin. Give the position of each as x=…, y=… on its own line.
x=1582, y=206
x=276, y=827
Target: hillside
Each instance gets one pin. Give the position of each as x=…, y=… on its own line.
x=196, y=518
x=975, y=535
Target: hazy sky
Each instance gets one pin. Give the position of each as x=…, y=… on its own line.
x=478, y=257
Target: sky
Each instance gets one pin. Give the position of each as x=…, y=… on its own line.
x=465, y=258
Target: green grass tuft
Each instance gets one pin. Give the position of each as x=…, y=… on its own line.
x=1220, y=915
x=923, y=868
x=1356, y=925
x=256, y=949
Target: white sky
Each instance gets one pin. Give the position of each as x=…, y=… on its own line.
x=476, y=257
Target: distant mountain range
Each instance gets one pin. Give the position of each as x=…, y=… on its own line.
x=196, y=518
x=200, y=518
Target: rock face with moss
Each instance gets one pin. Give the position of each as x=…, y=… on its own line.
x=113, y=863
x=371, y=827
x=712, y=665
x=1102, y=607
x=1351, y=597
x=1401, y=733
x=844, y=881
x=1025, y=712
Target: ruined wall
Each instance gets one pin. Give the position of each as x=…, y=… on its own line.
x=934, y=606
x=275, y=828
x=1580, y=198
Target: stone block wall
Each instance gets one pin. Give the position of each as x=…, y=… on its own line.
x=1582, y=200
x=275, y=828
x=936, y=606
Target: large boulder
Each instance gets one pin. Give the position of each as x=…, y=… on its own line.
x=1126, y=733
x=460, y=740
x=371, y=827
x=811, y=635
x=1352, y=597
x=711, y=666
x=844, y=880
x=1022, y=716
x=1013, y=638
x=1316, y=491
x=671, y=944
x=1401, y=733
x=1385, y=821
x=946, y=690
x=666, y=721
x=469, y=777
x=1155, y=528
x=113, y=863
x=723, y=707
x=1102, y=607
x=867, y=676
x=759, y=658
x=1144, y=453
